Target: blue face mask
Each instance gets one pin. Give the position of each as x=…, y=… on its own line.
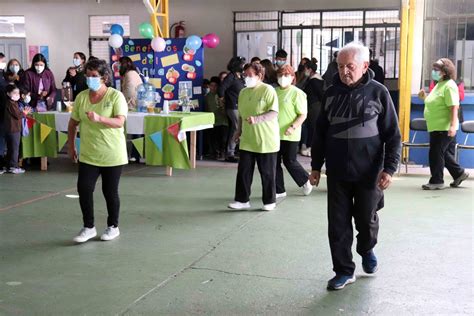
x=77, y=62
x=435, y=75
x=93, y=83
x=15, y=68
x=280, y=63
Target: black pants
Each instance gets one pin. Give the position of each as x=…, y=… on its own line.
x=217, y=139
x=13, y=149
x=442, y=155
x=266, y=166
x=287, y=153
x=347, y=200
x=86, y=181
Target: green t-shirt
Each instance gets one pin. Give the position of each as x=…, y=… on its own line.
x=212, y=105
x=438, y=105
x=101, y=145
x=292, y=103
x=261, y=137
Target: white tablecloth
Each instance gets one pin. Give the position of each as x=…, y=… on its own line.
x=134, y=122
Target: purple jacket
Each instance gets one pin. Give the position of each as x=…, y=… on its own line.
x=30, y=81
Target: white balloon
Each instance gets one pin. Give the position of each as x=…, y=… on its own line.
x=115, y=41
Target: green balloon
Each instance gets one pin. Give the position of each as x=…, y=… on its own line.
x=146, y=30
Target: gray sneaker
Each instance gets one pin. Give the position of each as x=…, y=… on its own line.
x=458, y=180
x=433, y=186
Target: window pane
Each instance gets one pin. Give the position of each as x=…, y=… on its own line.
x=382, y=17
x=343, y=18
x=12, y=26
x=99, y=25
x=301, y=19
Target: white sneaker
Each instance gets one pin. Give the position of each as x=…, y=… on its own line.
x=2, y=171
x=307, y=188
x=16, y=170
x=269, y=207
x=302, y=149
x=110, y=233
x=238, y=205
x=280, y=195
x=85, y=234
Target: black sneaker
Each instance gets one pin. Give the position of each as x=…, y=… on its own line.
x=340, y=281
x=458, y=180
x=231, y=159
x=369, y=262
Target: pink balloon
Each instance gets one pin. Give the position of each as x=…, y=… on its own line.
x=158, y=44
x=211, y=40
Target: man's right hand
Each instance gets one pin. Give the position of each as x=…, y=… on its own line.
x=73, y=153
x=314, y=177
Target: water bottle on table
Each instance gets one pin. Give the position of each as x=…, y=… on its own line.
x=147, y=97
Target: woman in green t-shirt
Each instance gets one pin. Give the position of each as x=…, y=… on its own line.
x=292, y=113
x=259, y=138
x=441, y=114
x=100, y=113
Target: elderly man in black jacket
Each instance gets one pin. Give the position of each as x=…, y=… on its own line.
x=358, y=137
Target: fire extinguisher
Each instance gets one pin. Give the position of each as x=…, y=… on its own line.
x=179, y=29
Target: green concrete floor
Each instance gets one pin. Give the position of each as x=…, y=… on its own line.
x=182, y=251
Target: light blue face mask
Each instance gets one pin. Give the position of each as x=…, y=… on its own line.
x=435, y=75
x=15, y=68
x=280, y=63
x=77, y=62
x=93, y=83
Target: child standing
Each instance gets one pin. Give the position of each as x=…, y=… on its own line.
x=218, y=135
x=13, y=116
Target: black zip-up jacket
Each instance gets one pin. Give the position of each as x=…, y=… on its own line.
x=357, y=133
x=229, y=89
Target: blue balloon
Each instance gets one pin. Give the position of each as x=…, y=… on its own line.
x=194, y=42
x=116, y=29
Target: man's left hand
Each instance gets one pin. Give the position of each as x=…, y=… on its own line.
x=384, y=180
x=93, y=117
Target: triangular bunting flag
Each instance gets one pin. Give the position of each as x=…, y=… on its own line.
x=44, y=132
x=62, y=139
x=30, y=121
x=157, y=139
x=138, y=143
x=173, y=129
x=78, y=146
x=181, y=136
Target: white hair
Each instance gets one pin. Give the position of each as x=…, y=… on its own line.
x=361, y=52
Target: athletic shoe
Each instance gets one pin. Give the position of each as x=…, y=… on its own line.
x=2, y=171
x=340, y=281
x=16, y=170
x=307, y=188
x=110, y=233
x=281, y=195
x=458, y=180
x=239, y=205
x=85, y=234
x=433, y=186
x=269, y=207
x=232, y=159
x=369, y=262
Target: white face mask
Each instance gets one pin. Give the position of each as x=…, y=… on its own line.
x=3, y=65
x=77, y=62
x=251, y=82
x=39, y=69
x=307, y=73
x=285, y=81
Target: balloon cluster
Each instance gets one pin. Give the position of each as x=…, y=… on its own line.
x=158, y=44
x=210, y=40
x=116, y=39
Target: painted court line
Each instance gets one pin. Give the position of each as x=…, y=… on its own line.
x=52, y=194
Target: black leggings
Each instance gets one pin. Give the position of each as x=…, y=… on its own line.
x=86, y=181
